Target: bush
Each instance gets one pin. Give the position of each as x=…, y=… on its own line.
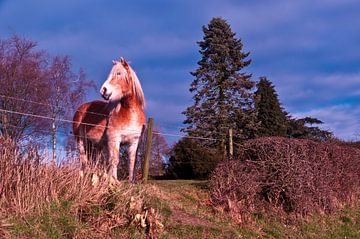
x=190, y=160
x=296, y=176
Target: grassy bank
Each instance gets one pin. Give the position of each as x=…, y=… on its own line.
x=182, y=207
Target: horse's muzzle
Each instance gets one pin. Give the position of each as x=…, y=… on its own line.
x=104, y=93
x=106, y=96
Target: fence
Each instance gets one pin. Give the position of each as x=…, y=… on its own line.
x=227, y=153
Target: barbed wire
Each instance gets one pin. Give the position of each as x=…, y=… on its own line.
x=95, y=125
x=50, y=105
x=89, y=112
x=39, y=130
x=61, y=120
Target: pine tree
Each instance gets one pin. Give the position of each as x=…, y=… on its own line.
x=304, y=128
x=223, y=95
x=272, y=117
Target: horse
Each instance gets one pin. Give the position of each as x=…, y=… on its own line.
x=102, y=125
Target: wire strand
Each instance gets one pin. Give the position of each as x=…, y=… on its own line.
x=50, y=105
x=95, y=125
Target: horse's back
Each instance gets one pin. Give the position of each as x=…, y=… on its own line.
x=91, y=118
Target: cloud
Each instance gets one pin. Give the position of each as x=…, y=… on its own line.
x=303, y=92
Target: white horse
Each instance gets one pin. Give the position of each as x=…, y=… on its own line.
x=100, y=126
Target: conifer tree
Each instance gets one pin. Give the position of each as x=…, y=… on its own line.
x=272, y=117
x=223, y=95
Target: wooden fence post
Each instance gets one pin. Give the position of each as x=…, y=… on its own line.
x=231, y=147
x=148, y=150
x=223, y=149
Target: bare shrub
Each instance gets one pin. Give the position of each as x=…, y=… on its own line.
x=297, y=177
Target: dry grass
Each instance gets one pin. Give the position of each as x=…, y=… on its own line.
x=28, y=182
x=43, y=200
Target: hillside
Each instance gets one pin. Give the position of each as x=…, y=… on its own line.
x=182, y=209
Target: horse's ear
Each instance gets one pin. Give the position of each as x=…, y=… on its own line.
x=125, y=64
x=114, y=62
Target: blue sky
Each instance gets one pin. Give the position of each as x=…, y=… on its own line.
x=310, y=50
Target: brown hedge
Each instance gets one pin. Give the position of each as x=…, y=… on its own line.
x=291, y=175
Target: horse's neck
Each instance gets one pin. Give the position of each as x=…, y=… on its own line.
x=126, y=104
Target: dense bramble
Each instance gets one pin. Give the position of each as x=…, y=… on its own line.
x=296, y=176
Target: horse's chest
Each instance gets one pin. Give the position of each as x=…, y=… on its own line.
x=125, y=130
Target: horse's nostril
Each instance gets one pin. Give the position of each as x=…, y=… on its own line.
x=105, y=93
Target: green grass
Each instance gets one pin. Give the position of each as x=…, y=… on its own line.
x=343, y=224
x=55, y=222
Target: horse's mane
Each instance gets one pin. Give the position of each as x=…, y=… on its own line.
x=139, y=94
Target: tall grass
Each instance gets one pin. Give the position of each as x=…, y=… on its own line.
x=48, y=197
x=28, y=181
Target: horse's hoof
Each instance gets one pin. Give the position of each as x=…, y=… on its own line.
x=94, y=180
x=113, y=181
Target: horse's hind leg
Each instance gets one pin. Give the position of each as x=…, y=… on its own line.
x=83, y=156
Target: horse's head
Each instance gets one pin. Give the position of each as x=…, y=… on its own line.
x=119, y=82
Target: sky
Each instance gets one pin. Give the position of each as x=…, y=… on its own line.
x=310, y=50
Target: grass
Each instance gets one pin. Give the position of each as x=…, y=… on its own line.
x=191, y=197
x=182, y=206
x=55, y=222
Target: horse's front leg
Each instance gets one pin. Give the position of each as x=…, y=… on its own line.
x=113, y=151
x=132, y=150
x=83, y=157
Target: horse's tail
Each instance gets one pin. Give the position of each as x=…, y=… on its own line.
x=76, y=124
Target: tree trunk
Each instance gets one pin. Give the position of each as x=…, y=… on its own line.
x=53, y=139
x=4, y=122
x=231, y=147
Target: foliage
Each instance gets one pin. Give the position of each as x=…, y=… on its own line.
x=223, y=95
x=275, y=121
x=291, y=176
x=303, y=128
x=190, y=160
x=272, y=117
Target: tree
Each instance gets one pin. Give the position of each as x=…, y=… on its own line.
x=303, y=128
x=160, y=150
x=272, y=117
x=22, y=82
x=223, y=95
x=66, y=90
x=190, y=160
x=37, y=91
